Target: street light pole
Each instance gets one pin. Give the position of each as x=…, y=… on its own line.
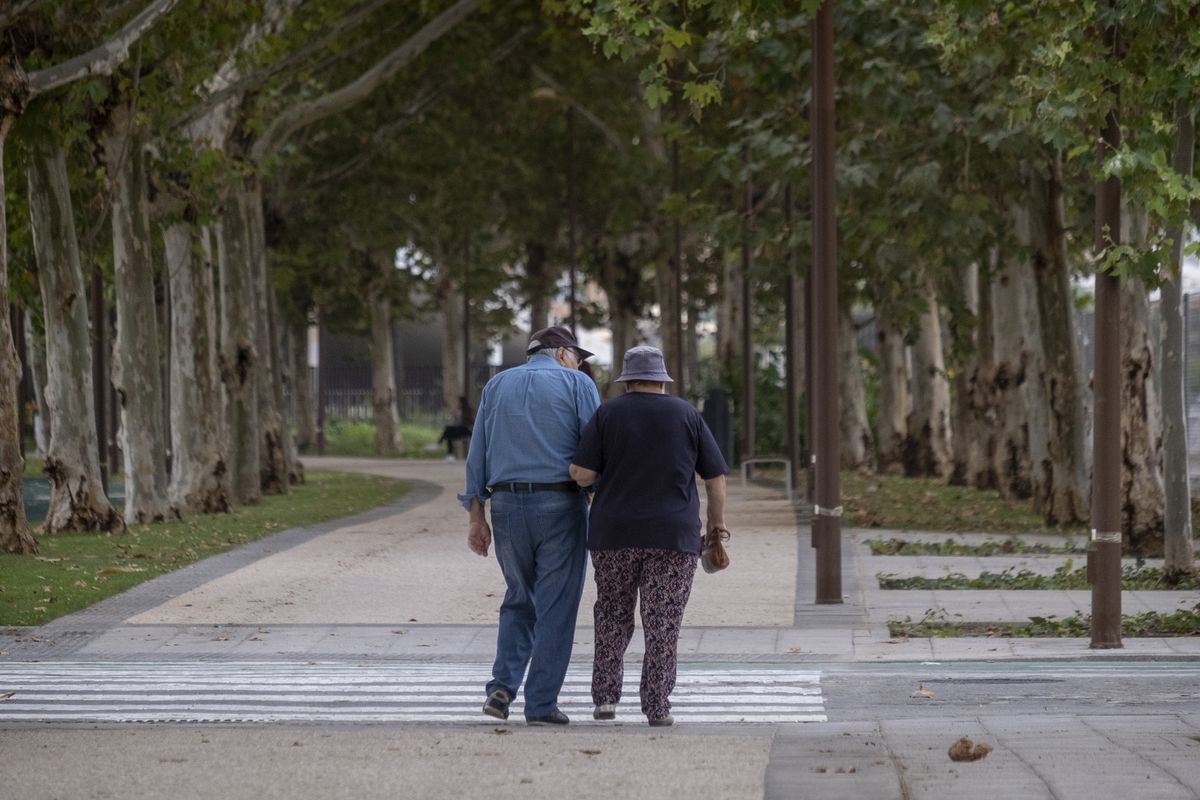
x=1104, y=552
x=827, y=510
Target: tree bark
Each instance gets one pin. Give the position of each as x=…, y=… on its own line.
x=729, y=315
x=450, y=302
x=1143, y=496
x=856, y=450
x=282, y=379
x=77, y=499
x=1020, y=405
x=35, y=347
x=668, y=317
x=14, y=527
x=980, y=422
x=621, y=280
x=895, y=402
x=539, y=285
x=239, y=358
x=136, y=363
x=388, y=441
x=1179, y=549
x=1061, y=489
x=306, y=424
x=272, y=454
x=927, y=444
x=199, y=443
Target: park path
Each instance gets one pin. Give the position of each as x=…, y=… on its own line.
x=413, y=566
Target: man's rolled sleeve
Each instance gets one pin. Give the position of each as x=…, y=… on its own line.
x=477, y=479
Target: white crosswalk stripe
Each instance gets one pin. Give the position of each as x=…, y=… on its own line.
x=369, y=692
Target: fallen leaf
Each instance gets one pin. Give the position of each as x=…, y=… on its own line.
x=6, y=696
x=590, y=752
x=119, y=570
x=501, y=731
x=966, y=750
x=922, y=692
x=793, y=649
x=47, y=560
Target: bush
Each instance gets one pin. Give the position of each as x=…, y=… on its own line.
x=357, y=439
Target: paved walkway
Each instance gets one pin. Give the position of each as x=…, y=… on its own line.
x=399, y=582
x=386, y=619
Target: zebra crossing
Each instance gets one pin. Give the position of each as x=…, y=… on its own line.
x=349, y=692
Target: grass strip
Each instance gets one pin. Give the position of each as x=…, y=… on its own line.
x=950, y=547
x=1133, y=577
x=76, y=570
x=889, y=501
x=1184, y=622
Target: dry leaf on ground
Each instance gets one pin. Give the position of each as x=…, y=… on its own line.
x=966, y=750
x=922, y=692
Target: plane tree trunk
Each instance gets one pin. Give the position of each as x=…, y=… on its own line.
x=77, y=498
x=199, y=438
x=137, y=374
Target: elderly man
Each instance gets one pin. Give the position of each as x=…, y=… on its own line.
x=643, y=451
x=526, y=430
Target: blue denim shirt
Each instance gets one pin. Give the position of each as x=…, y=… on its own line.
x=528, y=425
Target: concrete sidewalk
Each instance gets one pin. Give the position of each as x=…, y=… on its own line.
x=395, y=590
x=399, y=582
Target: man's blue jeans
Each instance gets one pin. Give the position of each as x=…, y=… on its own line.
x=541, y=543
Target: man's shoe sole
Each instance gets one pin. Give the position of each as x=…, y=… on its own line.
x=495, y=712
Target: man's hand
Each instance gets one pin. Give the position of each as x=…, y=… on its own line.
x=479, y=537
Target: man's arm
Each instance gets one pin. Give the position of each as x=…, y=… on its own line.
x=479, y=535
x=715, y=490
x=582, y=475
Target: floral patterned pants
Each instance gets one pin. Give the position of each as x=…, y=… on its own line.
x=663, y=578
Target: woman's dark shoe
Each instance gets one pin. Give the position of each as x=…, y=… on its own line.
x=605, y=711
x=497, y=704
x=662, y=722
x=555, y=717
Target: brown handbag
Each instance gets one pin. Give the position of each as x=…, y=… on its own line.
x=713, y=556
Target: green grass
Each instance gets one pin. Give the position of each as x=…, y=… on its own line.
x=75, y=570
x=950, y=547
x=357, y=439
x=1185, y=622
x=886, y=501
x=33, y=468
x=1133, y=578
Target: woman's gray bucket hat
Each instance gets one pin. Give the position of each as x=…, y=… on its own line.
x=644, y=363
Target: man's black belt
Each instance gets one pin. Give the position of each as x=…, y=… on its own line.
x=523, y=486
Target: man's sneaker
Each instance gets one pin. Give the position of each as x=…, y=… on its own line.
x=662, y=722
x=555, y=717
x=497, y=704
x=606, y=711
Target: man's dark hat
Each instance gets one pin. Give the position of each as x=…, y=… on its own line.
x=554, y=337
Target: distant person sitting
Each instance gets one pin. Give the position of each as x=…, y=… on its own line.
x=460, y=429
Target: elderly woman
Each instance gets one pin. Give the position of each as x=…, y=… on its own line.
x=642, y=451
